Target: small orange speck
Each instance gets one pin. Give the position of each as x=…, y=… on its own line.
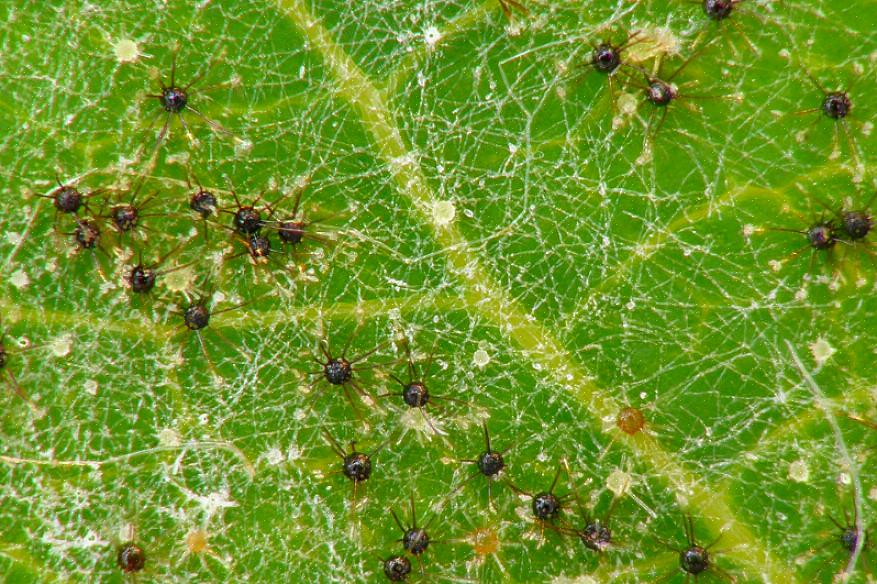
x=196, y=541
x=630, y=420
x=484, y=541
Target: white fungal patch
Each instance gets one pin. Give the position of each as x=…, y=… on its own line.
x=62, y=346
x=618, y=482
x=126, y=51
x=19, y=279
x=651, y=42
x=799, y=472
x=431, y=36
x=274, y=456
x=169, y=437
x=627, y=104
x=90, y=387
x=821, y=351
x=480, y=358
x=443, y=212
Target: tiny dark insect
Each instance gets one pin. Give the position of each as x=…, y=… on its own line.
x=545, y=505
x=848, y=534
x=719, y=12
x=856, y=224
x=821, y=236
x=203, y=203
x=837, y=106
x=248, y=219
x=294, y=229
x=339, y=371
x=661, y=92
x=397, y=568
x=131, y=558
x=607, y=58
x=176, y=99
x=67, y=199
x=414, y=391
x=490, y=463
x=197, y=316
x=719, y=9
x=87, y=234
x=125, y=216
x=355, y=465
x=142, y=277
x=415, y=539
x=696, y=559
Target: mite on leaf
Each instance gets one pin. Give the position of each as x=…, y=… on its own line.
x=355, y=465
x=197, y=316
x=87, y=237
x=339, y=371
x=490, y=463
x=203, y=203
x=396, y=568
x=295, y=229
x=546, y=506
x=415, y=539
x=124, y=216
x=607, y=59
x=67, y=199
x=595, y=533
x=695, y=560
x=131, y=558
x=821, y=236
x=176, y=99
x=723, y=13
x=837, y=106
x=415, y=391
x=847, y=536
x=140, y=278
x=662, y=93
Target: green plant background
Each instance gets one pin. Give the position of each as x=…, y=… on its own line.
x=591, y=275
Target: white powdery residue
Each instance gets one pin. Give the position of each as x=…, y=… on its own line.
x=872, y=494
x=443, y=212
x=867, y=128
x=13, y=238
x=19, y=279
x=480, y=358
x=618, y=482
x=627, y=104
x=748, y=230
x=294, y=453
x=513, y=149
x=169, y=437
x=799, y=472
x=821, y=351
x=421, y=79
x=62, y=346
x=844, y=478
x=432, y=36
x=126, y=51
x=274, y=456
x=90, y=387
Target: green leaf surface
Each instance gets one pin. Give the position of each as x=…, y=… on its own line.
x=482, y=202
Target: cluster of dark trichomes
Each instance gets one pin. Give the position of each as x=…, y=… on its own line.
x=89, y=218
